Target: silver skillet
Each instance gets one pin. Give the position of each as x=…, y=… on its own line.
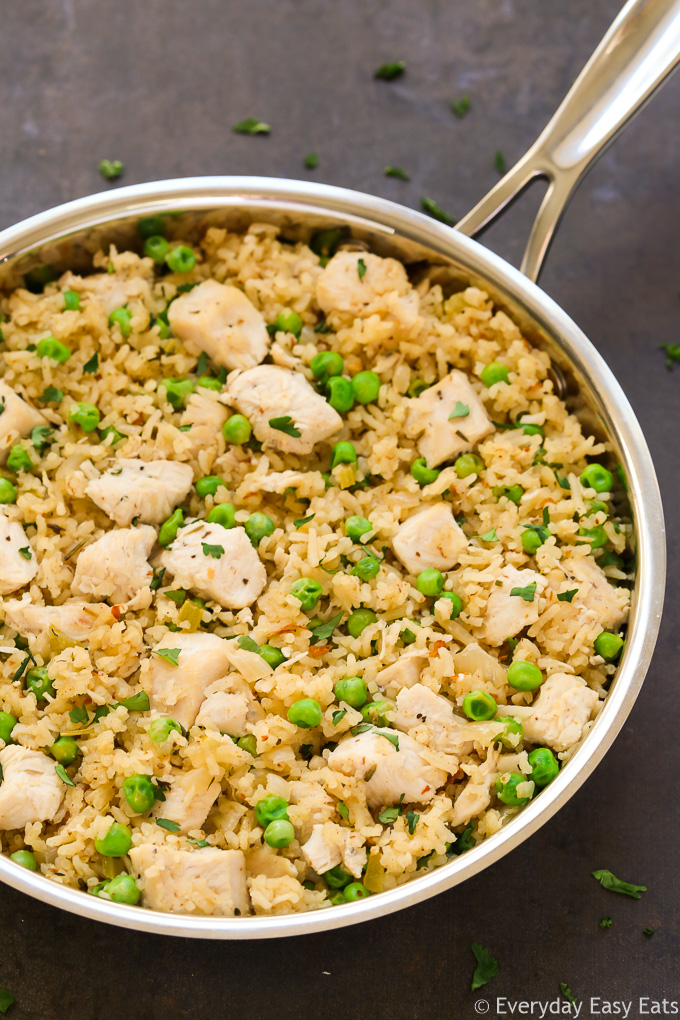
x=640, y=50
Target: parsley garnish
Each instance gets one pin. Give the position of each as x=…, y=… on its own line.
x=216, y=551
x=251, y=126
x=432, y=209
x=464, y=842
x=489, y=536
x=389, y=815
x=361, y=268
x=343, y=811
x=22, y=668
x=78, y=715
x=388, y=72
x=185, y=428
x=177, y=595
x=139, y=702
x=546, y=516
x=285, y=424
x=562, y=480
x=392, y=737
x=461, y=410
x=325, y=630
x=157, y=579
x=247, y=642
x=396, y=171
x=321, y=327
x=460, y=106
x=605, y=922
x=672, y=355
x=92, y=365
x=525, y=593
x=362, y=727
x=648, y=932
x=169, y=654
x=110, y=169
x=512, y=644
x=412, y=819
x=311, y=161
x=6, y=1000
x=166, y=823
x=339, y=716
x=422, y=861
x=26, y=552
x=304, y=520
x=568, y=994
x=202, y=364
x=614, y=884
x=499, y=162
x=487, y=966
x=63, y=775
x=41, y=436
x=567, y=596
x=51, y=395
x=198, y=842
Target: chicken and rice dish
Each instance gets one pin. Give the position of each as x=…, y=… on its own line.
x=310, y=581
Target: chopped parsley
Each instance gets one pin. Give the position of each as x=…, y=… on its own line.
x=343, y=810
x=176, y=595
x=78, y=715
x=6, y=1000
x=26, y=552
x=166, y=823
x=322, y=327
x=110, y=169
x=169, y=654
x=393, y=739
x=489, y=536
x=41, y=437
x=412, y=820
x=388, y=72
x=422, y=861
x=251, y=126
x=339, y=716
x=304, y=520
x=396, y=171
x=562, y=480
x=464, y=842
x=216, y=551
x=198, y=842
x=461, y=410
x=138, y=702
x=568, y=994
x=361, y=268
x=362, y=727
x=606, y=922
x=51, y=395
x=512, y=644
x=92, y=365
x=436, y=211
x=157, y=579
x=614, y=884
x=22, y=668
x=567, y=596
x=525, y=593
x=185, y=428
x=325, y=630
x=487, y=966
x=672, y=352
x=648, y=932
x=63, y=775
x=285, y=424
x=311, y=161
x=460, y=106
x=389, y=815
x=499, y=162
x=248, y=644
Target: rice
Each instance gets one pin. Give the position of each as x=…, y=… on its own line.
x=412, y=336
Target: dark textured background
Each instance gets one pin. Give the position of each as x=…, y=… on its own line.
x=158, y=84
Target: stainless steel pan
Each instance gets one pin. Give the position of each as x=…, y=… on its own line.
x=637, y=54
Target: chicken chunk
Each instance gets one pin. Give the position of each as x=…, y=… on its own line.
x=149, y=490
x=227, y=713
x=605, y=604
x=506, y=614
x=268, y=392
x=206, y=416
x=111, y=290
x=218, y=563
x=329, y=845
x=73, y=620
x=431, y=538
x=177, y=691
x=382, y=287
x=207, y=881
x=116, y=566
x=443, y=437
x=403, y=673
x=220, y=320
x=263, y=861
x=418, y=706
x=189, y=800
x=475, y=796
x=31, y=791
x=559, y=713
x=314, y=804
x=397, y=772
x=17, y=419
x=16, y=569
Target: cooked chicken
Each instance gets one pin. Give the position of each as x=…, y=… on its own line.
x=205, y=881
x=506, y=614
x=476, y=794
x=116, y=566
x=227, y=713
x=17, y=419
x=263, y=861
x=397, y=772
x=269, y=392
x=431, y=538
x=31, y=791
x=148, y=490
x=405, y=672
x=314, y=805
x=18, y=565
x=328, y=846
x=177, y=691
x=383, y=284
x=189, y=799
x=558, y=715
x=73, y=620
x=206, y=416
x=220, y=320
x=112, y=290
x=605, y=604
x=217, y=563
x=443, y=437
x=418, y=706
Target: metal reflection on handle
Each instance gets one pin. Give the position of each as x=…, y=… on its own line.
x=640, y=50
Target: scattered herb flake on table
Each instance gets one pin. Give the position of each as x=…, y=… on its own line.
x=499, y=162
x=388, y=72
x=614, y=884
x=487, y=966
x=285, y=424
x=460, y=106
x=311, y=161
x=568, y=994
x=672, y=355
x=6, y=1000
x=436, y=211
x=648, y=932
x=396, y=171
x=169, y=654
x=606, y=922
x=251, y=126
x=110, y=169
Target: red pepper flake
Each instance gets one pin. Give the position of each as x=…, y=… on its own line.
x=115, y=612
x=435, y=648
x=317, y=651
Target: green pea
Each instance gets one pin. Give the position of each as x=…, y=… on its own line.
x=326, y=364
x=272, y=655
x=85, y=415
x=257, y=527
x=359, y=620
x=224, y=514
x=524, y=676
x=156, y=248
x=479, y=706
x=468, y=464
x=337, y=877
x=123, y=889
x=456, y=603
x=248, y=743
x=140, y=793
x=533, y=430
x=237, y=430
x=352, y=690
x=65, y=750
x=122, y=318
x=181, y=259
x=177, y=391
x=160, y=729
x=325, y=242
x=271, y=809
x=289, y=321
x=367, y=568
x=209, y=382
x=430, y=582
x=506, y=789
x=39, y=683
x=337, y=898
x=512, y=733
x=8, y=492
x=544, y=766
x=375, y=712
x=48, y=347
x=512, y=492
x=71, y=301
x=355, y=891
x=169, y=528
x=111, y=430
x=494, y=373
x=116, y=842
x=279, y=833
x=343, y=453
x=308, y=591
x=596, y=537
x=25, y=858
x=305, y=713
x=208, y=485
x=596, y=477
x=19, y=459
x=608, y=645
x=149, y=226
x=7, y=724
x=340, y=394
x=533, y=538
x=355, y=527
x=596, y=506
x=407, y=636
x=422, y=473
x=366, y=386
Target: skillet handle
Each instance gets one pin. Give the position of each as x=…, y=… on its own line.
x=640, y=50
